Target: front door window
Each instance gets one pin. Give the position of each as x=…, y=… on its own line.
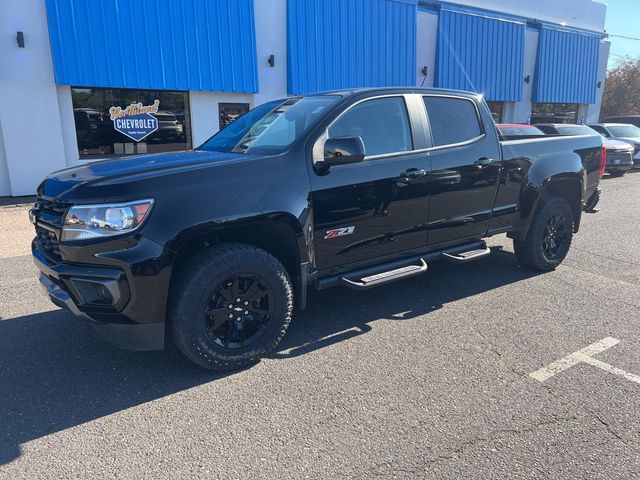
x=382, y=123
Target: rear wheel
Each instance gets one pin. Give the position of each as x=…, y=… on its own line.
x=549, y=237
x=232, y=305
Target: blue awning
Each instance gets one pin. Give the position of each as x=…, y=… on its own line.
x=480, y=53
x=335, y=44
x=154, y=44
x=566, y=67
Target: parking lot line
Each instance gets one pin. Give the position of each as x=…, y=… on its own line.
x=610, y=368
x=584, y=355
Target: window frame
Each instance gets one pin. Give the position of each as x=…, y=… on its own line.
x=554, y=112
x=222, y=105
x=187, y=126
x=318, y=146
x=483, y=132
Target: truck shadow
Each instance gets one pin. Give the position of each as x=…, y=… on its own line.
x=56, y=373
x=338, y=314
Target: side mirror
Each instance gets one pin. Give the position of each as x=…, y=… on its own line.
x=343, y=150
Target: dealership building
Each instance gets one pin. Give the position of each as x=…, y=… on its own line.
x=84, y=80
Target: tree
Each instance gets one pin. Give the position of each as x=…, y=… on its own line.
x=622, y=89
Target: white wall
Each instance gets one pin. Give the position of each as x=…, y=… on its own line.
x=521, y=111
x=31, y=129
x=587, y=14
x=593, y=111
x=427, y=36
x=271, y=39
x=204, y=112
x=5, y=185
x=68, y=125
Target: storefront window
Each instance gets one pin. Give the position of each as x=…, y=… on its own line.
x=125, y=122
x=554, y=113
x=497, y=110
x=230, y=112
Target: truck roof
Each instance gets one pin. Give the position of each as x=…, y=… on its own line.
x=420, y=90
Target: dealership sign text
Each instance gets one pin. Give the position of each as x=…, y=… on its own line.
x=135, y=121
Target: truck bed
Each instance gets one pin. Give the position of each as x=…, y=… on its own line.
x=583, y=151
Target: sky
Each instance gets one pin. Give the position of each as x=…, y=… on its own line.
x=623, y=18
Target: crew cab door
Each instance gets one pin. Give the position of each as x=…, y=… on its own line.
x=465, y=162
x=378, y=207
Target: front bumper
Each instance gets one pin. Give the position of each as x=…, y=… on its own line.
x=618, y=168
x=96, y=294
x=619, y=161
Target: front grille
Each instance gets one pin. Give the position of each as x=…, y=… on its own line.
x=48, y=243
x=621, y=151
x=49, y=217
x=54, y=208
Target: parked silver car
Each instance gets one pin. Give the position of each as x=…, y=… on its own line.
x=619, y=153
x=626, y=119
x=624, y=132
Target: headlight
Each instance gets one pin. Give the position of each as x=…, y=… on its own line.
x=84, y=222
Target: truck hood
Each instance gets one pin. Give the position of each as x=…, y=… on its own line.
x=614, y=144
x=62, y=182
x=633, y=140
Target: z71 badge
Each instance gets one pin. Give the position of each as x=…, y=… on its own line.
x=339, y=232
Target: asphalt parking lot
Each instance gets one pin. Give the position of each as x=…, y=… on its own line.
x=425, y=378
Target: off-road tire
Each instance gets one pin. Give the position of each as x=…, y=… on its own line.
x=530, y=251
x=191, y=293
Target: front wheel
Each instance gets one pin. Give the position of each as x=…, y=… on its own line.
x=549, y=237
x=232, y=305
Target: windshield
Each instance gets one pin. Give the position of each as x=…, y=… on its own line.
x=270, y=128
x=625, y=131
x=576, y=130
x=520, y=131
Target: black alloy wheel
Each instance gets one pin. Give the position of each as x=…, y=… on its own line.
x=231, y=305
x=239, y=311
x=549, y=236
x=555, y=236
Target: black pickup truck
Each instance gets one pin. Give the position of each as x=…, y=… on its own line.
x=215, y=247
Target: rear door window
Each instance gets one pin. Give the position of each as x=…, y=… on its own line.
x=452, y=120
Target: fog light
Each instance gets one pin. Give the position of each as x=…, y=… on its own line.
x=104, y=294
x=99, y=292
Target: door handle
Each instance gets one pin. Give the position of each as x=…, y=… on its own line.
x=413, y=173
x=484, y=162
